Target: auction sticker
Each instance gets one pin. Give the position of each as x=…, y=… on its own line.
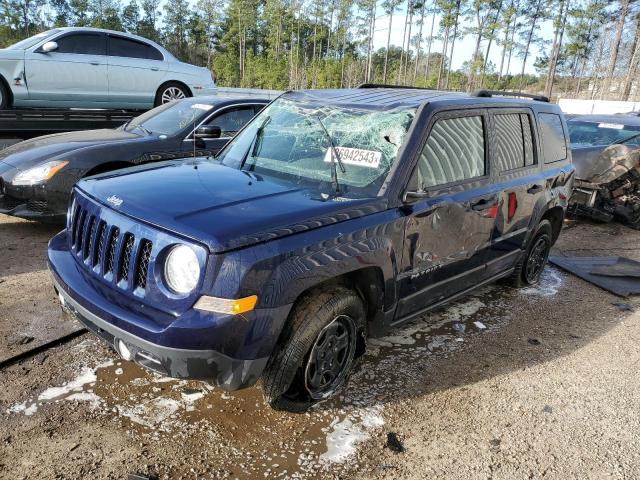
x=356, y=156
x=617, y=126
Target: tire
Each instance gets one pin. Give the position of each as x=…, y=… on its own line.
x=298, y=374
x=169, y=92
x=531, y=264
x=4, y=97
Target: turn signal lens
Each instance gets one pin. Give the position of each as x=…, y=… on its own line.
x=225, y=305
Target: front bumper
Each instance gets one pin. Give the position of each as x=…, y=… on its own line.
x=177, y=346
x=226, y=372
x=30, y=202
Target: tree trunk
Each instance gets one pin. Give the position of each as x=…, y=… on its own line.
x=445, y=47
x=528, y=45
x=555, y=49
x=386, y=54
x=426, y=68
x=615, y=48
x=406, y=63
x=404, y=37
x=486, y=56
x=415, y=70
x=631, y=72
x=453, y=43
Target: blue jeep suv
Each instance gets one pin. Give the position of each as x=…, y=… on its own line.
x=332, y=216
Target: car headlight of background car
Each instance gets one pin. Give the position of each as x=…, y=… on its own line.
x=39, y=173
x=181, y=269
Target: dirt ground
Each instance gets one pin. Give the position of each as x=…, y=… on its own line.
x=503, y=384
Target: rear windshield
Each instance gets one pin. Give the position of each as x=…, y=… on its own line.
x=302, y=142
x=585, y=134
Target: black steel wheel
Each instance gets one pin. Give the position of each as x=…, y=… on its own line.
x=316, y=350
x=537, y=259
x=531, y=263
x=330, y=356
x=4, y=97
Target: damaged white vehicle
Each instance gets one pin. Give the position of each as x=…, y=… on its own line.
x=606, y=156
x=94, y=68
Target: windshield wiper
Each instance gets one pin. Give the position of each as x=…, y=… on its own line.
x=334, y=156
x=146, y=131
x=256, y=144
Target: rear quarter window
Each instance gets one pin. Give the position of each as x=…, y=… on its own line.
x=554, y=145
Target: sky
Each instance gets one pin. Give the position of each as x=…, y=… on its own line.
x=464, y=47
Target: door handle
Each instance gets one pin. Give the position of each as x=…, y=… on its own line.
x=484, y=203
x=94, y=63
x=155, y=69
x=533, y=189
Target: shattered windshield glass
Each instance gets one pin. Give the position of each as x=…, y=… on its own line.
x=170, y=118
x=331, y=149
x=600, y=133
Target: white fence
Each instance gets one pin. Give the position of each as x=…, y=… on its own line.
x=603, y=107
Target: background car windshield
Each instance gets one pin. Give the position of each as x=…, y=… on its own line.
x=602, y=133
x=287, y=141
x=31, y=41
x=172, y=117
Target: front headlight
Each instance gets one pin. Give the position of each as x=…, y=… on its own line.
x=39, y=174
x=181, y=269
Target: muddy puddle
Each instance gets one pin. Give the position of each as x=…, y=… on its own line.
x=243, y=437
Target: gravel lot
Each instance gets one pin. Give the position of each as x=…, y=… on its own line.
x=502, y=384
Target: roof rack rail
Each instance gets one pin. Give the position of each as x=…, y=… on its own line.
x=385, y=85
x=499, y=93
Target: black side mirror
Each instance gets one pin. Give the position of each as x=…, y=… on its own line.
x=208, y=131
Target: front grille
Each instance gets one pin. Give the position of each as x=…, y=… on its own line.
x=142, y=265
x=8, y=202
x=103, y=248
x=39, y=206
x=111, y=249
x=125, y=258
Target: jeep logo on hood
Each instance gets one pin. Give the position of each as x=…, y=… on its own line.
x=115, y=201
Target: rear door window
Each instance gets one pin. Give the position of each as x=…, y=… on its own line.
x=514, y=145
x=554, y=145
x=82, y=44
x=455, y=151
x=124, y=47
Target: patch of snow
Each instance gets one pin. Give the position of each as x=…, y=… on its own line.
x=549, y=284
x=346, y=434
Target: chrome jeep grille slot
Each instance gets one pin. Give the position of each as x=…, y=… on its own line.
x=142, y=263
x=125, y=258
x=89, y=237
x=98, y=249
x=74, y=225
x=111, y=250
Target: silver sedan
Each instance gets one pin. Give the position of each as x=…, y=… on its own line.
x=95, y=68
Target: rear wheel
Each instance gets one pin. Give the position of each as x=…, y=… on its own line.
x=531, y=264
x=317, y=350
x=169, y=92
x=4, y=97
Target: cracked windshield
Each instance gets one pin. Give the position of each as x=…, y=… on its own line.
x=334, y=150
x=170, y=118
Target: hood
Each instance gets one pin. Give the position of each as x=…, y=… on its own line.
x=30, y=152
x=219, y=206
x=602, y=165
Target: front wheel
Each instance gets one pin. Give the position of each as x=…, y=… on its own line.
x=317, y=350
x=531, y=264
x=170, y=92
